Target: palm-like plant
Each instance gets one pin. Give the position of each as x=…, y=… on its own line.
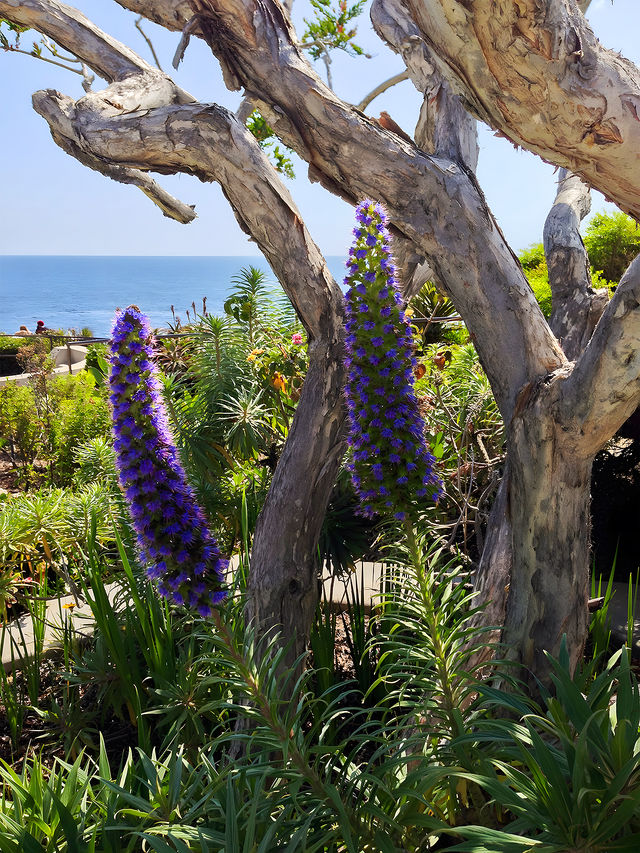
x=249, y=423
x=248, y=299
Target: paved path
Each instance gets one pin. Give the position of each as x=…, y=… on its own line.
x=17, y=638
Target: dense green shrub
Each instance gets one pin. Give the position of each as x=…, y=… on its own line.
x=223, y=760
x=612, y=241
x=81, y=413
x=9, y=344
x=42, y=423
x=20, y=430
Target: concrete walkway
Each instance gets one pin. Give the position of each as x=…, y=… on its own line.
x=17, y=638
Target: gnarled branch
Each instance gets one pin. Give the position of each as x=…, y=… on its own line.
x=604, y=388
x=536, y=72
x=576, y=305
x=434, y=203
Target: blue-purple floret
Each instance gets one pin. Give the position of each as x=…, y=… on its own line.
x=392, y=466
x=174, y=541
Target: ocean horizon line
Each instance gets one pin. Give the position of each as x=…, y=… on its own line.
x=82, y=291
x=65, y=255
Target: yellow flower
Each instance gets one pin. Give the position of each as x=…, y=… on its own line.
x=252, y=355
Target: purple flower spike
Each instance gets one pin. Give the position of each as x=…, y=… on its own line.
x=173, y=539
x=392, y=466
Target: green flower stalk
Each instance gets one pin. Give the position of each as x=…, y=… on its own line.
x=392, y=466
x=173, y=538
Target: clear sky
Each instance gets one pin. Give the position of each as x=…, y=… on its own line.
x=53, y=205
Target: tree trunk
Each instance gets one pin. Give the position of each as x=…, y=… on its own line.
x=534, y=71
x=284, y=579
x=549, y=497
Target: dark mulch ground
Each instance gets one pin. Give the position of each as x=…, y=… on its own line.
x=8, y=476
x=67, y=719
x=58, y=730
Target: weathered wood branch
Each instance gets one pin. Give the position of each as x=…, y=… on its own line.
x=134, y=85
x=170, y=206
x=535, y=71
x=576, y=305
x=72, y=30
x=603, y=390
x=445, y=128
x=209, y=142
x=213, y=144
x=383, y=87
x=444, y=214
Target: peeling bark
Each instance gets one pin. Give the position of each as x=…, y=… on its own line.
x=212, y=143
x=603, y=390
x=550, y=523
x=444, y=127
x=535, y=71
x=576, y=305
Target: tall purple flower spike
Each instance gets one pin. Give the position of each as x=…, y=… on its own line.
x=392, y=466
x=173, y=538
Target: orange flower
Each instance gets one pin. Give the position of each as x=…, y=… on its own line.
x=279, y=382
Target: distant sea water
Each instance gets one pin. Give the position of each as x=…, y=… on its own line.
x=74, y=292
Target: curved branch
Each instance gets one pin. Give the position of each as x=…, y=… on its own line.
x=72, y=30
x=536, y=72
x=138, y=25
x=382, y=87
x=213, y=144
x=171, y=207
x=209, y=142
x=444, y=214
x=603, y=390
x=444, y=127
x=135, y=85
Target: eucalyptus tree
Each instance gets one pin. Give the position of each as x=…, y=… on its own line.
x=532, y=70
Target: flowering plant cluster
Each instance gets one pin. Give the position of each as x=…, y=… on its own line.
x=173, y=538
x=281, y=365
x=392, y=465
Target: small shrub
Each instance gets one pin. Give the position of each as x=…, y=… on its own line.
x=82, y=413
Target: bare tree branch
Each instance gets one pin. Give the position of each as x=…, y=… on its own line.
x=604, y=388
x=258, y=46
x=171, y=207
x=382, y=87
x=68, y=27
x=47, y=59
x=207, y=141
x=536, y=72
x=138, y=23
x=244, y=110
x=135, y=85
x=576, y=306
x=444, y=127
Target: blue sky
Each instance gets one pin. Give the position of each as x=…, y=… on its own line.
x=53, y=205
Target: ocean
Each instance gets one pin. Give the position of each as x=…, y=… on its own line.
x=74, y=292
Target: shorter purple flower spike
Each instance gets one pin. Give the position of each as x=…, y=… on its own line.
x=392, y=467
x=173, y=538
